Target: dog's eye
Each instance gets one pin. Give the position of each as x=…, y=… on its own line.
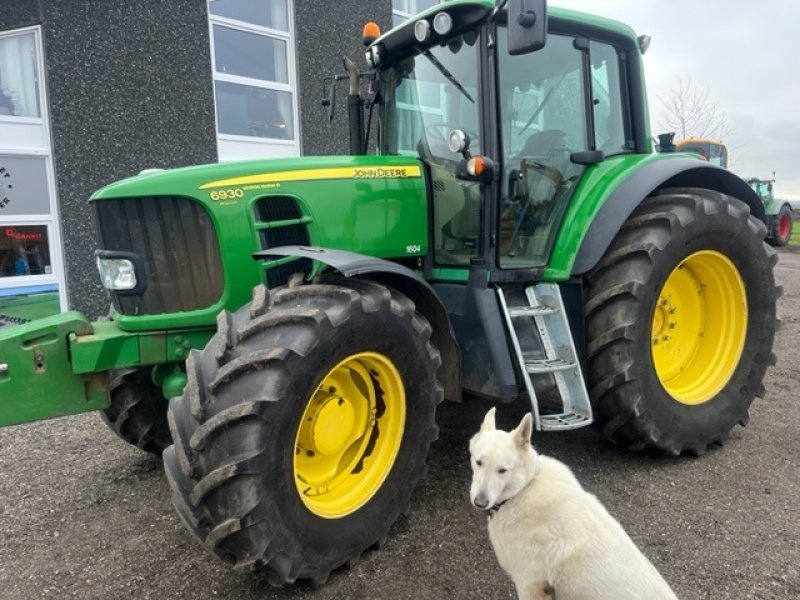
x=501, y=471
x=479, y=463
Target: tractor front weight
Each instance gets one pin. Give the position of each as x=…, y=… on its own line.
x=60, y=365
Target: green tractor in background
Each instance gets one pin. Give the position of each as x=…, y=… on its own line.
x=780, y=219
x=778, y=216
x=283, y=330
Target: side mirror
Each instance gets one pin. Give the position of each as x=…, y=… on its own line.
x=527, y=26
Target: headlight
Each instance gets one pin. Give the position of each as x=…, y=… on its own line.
x=442, y=23
x=458, y=141
x=422, y=30
x=118, y=271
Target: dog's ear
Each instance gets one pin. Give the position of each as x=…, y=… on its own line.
x=524, y=431
x=488, y=421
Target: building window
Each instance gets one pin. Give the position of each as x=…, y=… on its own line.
x=402, y=10
x=31, y=264
x=254, y=78
x=19, y=84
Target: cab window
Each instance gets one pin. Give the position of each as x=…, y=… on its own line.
x=543, y=121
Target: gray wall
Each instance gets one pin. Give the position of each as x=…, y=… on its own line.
x=129, y=85
x=327, y=31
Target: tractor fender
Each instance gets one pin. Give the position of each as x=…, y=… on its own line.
x=677, y=172
x=405, y=281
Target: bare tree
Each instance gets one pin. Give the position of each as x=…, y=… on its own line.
x=691, y=112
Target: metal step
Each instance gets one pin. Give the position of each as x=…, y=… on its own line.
x=564, y=421
x=516, y=312
x=546, y=309
x=548, y=365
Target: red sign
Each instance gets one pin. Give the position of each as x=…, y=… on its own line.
x=22, y=236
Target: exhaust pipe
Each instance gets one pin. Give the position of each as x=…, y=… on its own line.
x=355, y=108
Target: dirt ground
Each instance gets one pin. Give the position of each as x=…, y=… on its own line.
x=83, y=515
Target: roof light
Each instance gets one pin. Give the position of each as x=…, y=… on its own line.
x=442, y=23
x=370, y=33
x=422, y=30
x=374, y=57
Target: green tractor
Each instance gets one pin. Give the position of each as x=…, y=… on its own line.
x=283, y=330
x=780, y=219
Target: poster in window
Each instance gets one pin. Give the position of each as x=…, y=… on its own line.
x=24, y=250
x=23, y=186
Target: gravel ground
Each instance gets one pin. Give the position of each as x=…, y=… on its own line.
x=83, y=515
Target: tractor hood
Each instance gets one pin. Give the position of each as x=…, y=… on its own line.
x=190, y=234
x=256, y=174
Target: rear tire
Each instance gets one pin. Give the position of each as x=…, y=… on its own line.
x=679, y=273
x=273, y=466
x=138, y=412
x=782, y=229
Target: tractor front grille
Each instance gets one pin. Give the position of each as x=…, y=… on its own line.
x=280, y=222
x=177, y=244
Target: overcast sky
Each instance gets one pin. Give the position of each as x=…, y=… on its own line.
x=747, y=53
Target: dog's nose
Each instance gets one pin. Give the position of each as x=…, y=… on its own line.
x=481, y=502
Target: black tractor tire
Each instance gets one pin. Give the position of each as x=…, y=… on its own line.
x=631, y=402
x=237, y=428
x=782, y=227
x=138, y=411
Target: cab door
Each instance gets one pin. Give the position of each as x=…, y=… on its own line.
x=557, y=107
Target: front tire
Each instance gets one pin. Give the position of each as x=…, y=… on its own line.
x=138, y=412
x=304, y=427
x=680, y=322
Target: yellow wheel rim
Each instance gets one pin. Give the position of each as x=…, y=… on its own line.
x=349, y=435
x=699, y=327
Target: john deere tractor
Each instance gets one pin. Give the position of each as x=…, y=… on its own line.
x=283, y=330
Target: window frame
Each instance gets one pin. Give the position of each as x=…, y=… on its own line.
x=233, y=146
x=31, y=137
x=404, y=15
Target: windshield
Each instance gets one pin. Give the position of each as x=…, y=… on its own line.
x=424, y=97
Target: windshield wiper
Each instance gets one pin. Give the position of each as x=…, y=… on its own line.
x=447, y=74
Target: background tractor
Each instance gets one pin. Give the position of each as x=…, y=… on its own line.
x=777, y=213
x=514, y=236
x=712, y=151
x=780, y=219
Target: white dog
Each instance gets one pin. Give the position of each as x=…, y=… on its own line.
x=554, y=539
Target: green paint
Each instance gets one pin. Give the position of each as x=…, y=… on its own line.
x=37, y=381
x=596, y=185
x=384, y=217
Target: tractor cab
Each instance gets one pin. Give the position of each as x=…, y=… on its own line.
x=711, y=151
x=505, y=131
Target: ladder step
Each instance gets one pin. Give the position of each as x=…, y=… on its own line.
x=564, y=421
x=548, y=365
x=530, y=311
x=556, y=354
